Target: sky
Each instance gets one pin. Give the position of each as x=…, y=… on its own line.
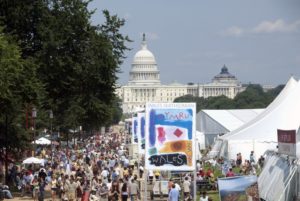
x=258, y=40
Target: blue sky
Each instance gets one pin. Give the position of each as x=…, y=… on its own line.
x=258, y=40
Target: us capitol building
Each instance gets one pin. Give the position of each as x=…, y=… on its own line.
x=144, y=84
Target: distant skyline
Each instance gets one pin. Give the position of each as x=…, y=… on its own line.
x=258, y=40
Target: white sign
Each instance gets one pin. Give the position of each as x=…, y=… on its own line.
x=170, y=136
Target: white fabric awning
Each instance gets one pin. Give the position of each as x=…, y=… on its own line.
x=32, y=160
x=43, y=141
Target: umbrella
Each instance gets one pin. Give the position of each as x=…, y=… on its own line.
x=32, y=160
x=43, y=140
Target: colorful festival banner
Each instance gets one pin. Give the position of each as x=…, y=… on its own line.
x=134, y=138
x=170, y=136
x=141, y=132
x=234, y=188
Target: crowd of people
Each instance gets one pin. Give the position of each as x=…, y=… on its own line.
x=97, y=169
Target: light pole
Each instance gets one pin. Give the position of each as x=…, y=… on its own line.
x=51, y=134
x=33, y=115
x=80, y=133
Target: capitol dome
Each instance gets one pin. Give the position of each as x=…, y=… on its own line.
x=144, y=56
x=144, y=68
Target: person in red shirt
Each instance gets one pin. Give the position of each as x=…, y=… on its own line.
x=208, y=173
x=230, y=173
x=201, y=172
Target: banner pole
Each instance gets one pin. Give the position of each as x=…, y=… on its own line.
x=145, y=185
x=195, y=185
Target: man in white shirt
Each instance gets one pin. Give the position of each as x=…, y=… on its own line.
x=104, y=173
x=186, y=187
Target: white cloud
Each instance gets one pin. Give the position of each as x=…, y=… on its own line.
x=233, y=31
x=278, y=25
x=150, y=35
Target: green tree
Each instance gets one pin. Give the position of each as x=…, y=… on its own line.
x=77, y=62
x=117, y=111
x=201, y=102
x=220, y=102
x=19, y=86
x=252, y=97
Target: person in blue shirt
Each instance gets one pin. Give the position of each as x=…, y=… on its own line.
x=173, y=194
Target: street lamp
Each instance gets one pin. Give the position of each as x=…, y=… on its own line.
x=51, y=133
x=80, y=130
x=33, y=115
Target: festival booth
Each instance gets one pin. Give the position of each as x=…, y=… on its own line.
x=260, y=134
x=214, y=123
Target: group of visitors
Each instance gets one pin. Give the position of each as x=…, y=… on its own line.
x=98, y=169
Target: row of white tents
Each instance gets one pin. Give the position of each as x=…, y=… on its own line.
x=260, y=133
x=280, y=177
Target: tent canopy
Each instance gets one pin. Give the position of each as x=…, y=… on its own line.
x=42, y=141
x=229, y=119
x=260, y=133
x=32, y=160
x=213, y=123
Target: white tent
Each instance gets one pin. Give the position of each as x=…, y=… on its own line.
x=32, y=160
x=42, y=141
x=260, y=134
x=213, y=123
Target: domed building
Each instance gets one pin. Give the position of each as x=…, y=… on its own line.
x=144, y=84
x=225, y=77
x=144, y=68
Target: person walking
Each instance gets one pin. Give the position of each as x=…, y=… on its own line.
x=173, y=194
x=53, y=187
x=186, y=188
x=134, y=190
x=124, y=192
x=42, y=185
x=103, y=192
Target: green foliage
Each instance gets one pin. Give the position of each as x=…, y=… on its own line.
x=63, y=63
x=117, y=111
x=252, y=97
x=18, y=86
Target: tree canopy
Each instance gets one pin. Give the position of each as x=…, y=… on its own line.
x=252, y=97
x=59, y=61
